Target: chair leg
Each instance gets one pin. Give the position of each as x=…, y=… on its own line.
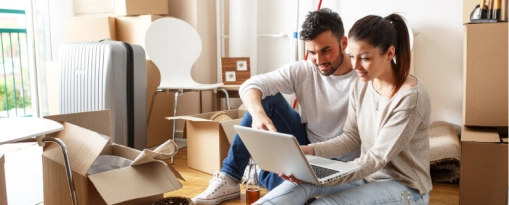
x=200, y=102
x=67, y=166
x=174, y=120
x=151, y=105
x=227, y=97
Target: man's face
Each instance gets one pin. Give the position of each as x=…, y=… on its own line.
x=325, y=52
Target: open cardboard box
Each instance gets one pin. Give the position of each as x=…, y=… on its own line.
x=483, y=166
x=208, y=141
x=85, y=135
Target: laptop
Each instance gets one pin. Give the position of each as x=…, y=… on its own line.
x=281, y=153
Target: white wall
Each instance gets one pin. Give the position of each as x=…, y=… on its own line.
x=438, y=46
x=59, y=11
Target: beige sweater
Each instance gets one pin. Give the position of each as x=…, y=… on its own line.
x=393, y=139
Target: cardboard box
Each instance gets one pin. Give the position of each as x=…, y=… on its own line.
x=89, y=28
x=159, y=129
x=132, y=29
x=140, y=7
x=485, y=75
x=483, y=177
x=94, y=7
x=136, y=184
x=208, y=141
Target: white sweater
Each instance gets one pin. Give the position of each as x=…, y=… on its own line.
x=393, y=139
x=323, y=99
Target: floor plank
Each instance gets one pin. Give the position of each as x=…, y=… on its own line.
x=197, y=181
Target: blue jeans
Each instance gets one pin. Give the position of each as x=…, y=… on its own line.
x=285, y=119
x=357, y=192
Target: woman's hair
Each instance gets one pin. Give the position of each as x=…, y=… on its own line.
x=317, y=22
x=382, y=33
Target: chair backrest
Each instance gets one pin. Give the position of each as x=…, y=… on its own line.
x=173, y=45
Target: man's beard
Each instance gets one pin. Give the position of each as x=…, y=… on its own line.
x=333, y=67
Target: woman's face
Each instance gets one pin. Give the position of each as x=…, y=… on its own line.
x=325, y=52
x=367, y=60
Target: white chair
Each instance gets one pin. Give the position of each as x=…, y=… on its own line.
x=174, y=45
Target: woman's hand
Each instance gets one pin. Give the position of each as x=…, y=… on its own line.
x=308, y=150
x=290, y=178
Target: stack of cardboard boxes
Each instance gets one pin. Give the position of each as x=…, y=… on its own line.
x=484, y=155
x=126, y=20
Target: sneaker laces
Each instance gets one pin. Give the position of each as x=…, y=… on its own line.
x=215, y=183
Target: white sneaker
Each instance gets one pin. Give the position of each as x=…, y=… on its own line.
x=221, y=188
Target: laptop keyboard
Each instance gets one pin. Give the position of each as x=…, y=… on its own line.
x=322, y=172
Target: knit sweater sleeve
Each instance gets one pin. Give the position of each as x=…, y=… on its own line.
x=397, y=128
x=281, y=80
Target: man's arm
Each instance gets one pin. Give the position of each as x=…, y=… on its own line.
x=252, y=99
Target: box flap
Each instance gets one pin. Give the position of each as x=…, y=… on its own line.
x=206, y=116
x=479, y=134
x=97, y=121
x=188, y=118
x=163, y=151
x=228, y=128
x=175, y=172
x=83, y=147
x=135, y=182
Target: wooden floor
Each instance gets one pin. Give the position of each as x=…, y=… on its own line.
x=197, y=181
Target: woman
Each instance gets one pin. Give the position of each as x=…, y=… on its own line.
x=388, y=119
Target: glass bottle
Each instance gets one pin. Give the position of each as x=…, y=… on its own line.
x=405, y=197
x=252, y=184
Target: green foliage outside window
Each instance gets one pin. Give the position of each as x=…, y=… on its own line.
x=7, y=91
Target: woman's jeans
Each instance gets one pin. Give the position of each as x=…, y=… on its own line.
x=285, y=119
x=357, y=192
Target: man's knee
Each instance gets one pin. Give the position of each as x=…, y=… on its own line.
x=277, y=98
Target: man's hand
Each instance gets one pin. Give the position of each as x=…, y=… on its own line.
x=290, y=178
x=252, y=99
x=263, y=122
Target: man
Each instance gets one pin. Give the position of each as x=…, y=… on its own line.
x=321, y=85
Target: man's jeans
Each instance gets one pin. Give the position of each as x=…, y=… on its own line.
x=285, y=119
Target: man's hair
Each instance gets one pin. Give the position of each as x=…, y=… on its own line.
x=317, y=22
